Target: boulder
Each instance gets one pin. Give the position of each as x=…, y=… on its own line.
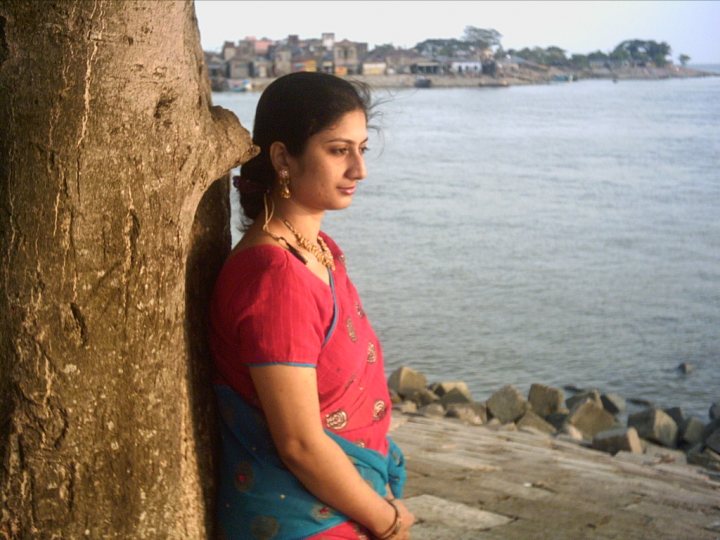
x=479, y=408
x=704, y=457
x=676, y=413
x=691, y=431
x=615, y=440
x=465, y=412
x=591, y=418
x=455, y=396
x=395, y=397
x=640, y=401
x=664, y=454
x=405, y=380
x=407, y=407
x=534, y=421
x=558, y=419
x=422, y=397
x=572, y=432
x=545, y=400
x=442, y=388
x=507, y=404
x=714, y=411
x=709, y=429
x=613, y=403
x=433, y=409
x=573, y=389
x=713, y=441
x=578, y=399
x=685, y=368
x=655, y=425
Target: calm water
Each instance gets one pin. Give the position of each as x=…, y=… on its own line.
x=563, y=234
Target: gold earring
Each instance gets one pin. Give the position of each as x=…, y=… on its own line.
x=284, y=184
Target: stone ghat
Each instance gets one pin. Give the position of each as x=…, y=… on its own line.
x=467, y=483
x=480, y=471
x=588, y=417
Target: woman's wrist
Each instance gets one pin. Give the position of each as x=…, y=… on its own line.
x=395, y=526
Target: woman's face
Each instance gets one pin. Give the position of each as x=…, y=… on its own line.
x=325, y=176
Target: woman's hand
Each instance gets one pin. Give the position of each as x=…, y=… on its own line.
x=406, y=521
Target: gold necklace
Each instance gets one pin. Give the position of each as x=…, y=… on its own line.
x=318, y=250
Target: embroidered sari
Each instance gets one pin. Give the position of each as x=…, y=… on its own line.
x=268, y=308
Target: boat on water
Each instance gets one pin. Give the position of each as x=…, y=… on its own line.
x=239, y=85
x=563, y=77
x=423, y=82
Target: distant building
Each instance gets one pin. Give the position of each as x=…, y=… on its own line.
x=375, y=63
x=426, y=67
x=216, y=67
x=304, y=63
x=400, y=61
x=465, y=67
x=374, y=67
x=261, y=46
x=326, y=64
x=328, y=40
x=239, y=68
x=348, y=57
x=261, y=67
x=282, y=61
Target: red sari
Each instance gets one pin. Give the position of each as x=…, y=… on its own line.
x=269, y=308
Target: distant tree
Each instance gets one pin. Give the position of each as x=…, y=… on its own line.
x=639, y=52
x=579, y=61
x=442, y=47
x=382, y=50
x=482, y=38
x=621, y=55
x=527, y=54
x=684, y=59
x=658, y=52
x=597, y=55
x=555, y=56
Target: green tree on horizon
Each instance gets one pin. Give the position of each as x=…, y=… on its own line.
x=482, y=38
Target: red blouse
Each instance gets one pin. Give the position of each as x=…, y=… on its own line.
x=269, y=308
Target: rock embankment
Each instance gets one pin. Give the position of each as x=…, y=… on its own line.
x=588, y=417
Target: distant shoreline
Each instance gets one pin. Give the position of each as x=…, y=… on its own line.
x=518, y=77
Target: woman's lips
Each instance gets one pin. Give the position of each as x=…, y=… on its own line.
x=347, y=190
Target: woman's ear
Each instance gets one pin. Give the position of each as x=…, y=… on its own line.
x=279, y=156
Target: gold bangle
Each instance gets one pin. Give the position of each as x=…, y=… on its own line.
x=396, y=524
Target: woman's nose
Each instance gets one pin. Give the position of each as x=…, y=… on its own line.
x=358, y=170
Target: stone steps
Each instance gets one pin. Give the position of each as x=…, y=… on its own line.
x=467, y=482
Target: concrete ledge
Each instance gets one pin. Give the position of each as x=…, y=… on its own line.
x=440, y=518
x=471, y=482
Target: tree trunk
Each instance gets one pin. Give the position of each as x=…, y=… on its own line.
x=108, y=143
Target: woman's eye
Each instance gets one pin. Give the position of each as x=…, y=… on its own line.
x=364, y=149
x=340, y=151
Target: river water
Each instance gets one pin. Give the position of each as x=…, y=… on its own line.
x=562, y=234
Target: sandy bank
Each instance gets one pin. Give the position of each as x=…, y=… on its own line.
x=543, y=75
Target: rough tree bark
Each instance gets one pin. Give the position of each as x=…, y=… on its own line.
x=108, y=143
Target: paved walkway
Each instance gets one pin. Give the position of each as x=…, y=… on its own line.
x=468, y=482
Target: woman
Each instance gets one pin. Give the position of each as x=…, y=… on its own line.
x=301, y=385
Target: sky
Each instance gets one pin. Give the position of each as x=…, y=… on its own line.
x=689, y=27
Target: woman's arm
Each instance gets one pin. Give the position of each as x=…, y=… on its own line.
x=289, y=398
